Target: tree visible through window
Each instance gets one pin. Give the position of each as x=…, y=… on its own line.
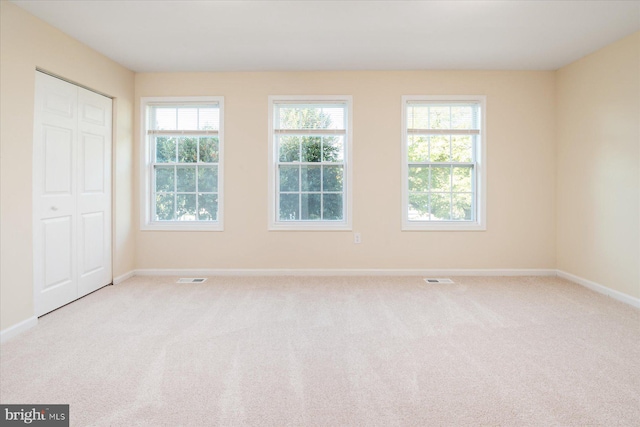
x=443, y=146
x=186, y=175
x=185, y=161
x=310, y=148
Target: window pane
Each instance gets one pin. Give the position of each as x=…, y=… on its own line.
x=439, y=117
x=440, y=178
x=310, y=206
x=310, y=178
x=332, y=148
x=462, y=179
x=209, y=150
x=462, y=117
x=208, y=207
x=186, y=179
x=332, y=178
x=187, y=150
x=165, y=119
x=303, y=182
x=165, y=149
x=208, y=179
x=418, y=207
x=187, y=118
x=311, y=148
x=440, y=206
x=298, y=117
x=186, y=207
x=334, y=117
x=289, y=179
x=164, y=207
x=418, y=178
x=289, y=207
x=418, y=117
x=208, y=119
x=289, y=148
x=462, y=148
x=440, y=148
x=462, y=206
x=309, y=116
x=164, y=178
x=332, y=209
x=418, y=148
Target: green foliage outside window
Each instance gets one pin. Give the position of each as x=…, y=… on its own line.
x=309, y=191
x=440, y=191
x=186, y=178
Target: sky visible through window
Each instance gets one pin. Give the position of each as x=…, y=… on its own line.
x=186, y=118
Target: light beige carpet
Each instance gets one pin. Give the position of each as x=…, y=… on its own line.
x=358, y=351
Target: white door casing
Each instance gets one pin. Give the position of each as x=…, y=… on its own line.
x=71, y=192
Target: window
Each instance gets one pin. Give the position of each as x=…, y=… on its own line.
x=309, y=163
x=182, y=154
x=443, y=163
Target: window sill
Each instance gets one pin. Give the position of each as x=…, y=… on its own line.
x=442, y=226
x=182, y=226
x=311, y=226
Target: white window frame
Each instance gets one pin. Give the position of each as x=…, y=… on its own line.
x=480, y=187
x=306, y=225
x=146, y=171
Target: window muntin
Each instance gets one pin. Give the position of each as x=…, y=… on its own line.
x=184, y=148
x=443, y=163
x=310, y=141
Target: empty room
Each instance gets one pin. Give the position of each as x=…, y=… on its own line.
x=319, y=213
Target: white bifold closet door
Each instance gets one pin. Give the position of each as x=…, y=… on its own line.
x=71, y=192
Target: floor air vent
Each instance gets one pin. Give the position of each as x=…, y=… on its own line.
x=192, y=280
x=430, y=280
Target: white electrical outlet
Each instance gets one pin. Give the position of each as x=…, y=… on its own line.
x=357, y=238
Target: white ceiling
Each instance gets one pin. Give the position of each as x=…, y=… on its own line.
x=185, y=35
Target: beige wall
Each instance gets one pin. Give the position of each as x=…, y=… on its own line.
x=521, y=175
x=598, y=166
x=27, y=43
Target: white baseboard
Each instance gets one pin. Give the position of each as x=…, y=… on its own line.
x=344, y=272
x=124, y=277
x=628, y=299
x=18, y=328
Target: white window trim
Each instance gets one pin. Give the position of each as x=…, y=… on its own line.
x=146, y=223
x=344, y=225
x=480, y=223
